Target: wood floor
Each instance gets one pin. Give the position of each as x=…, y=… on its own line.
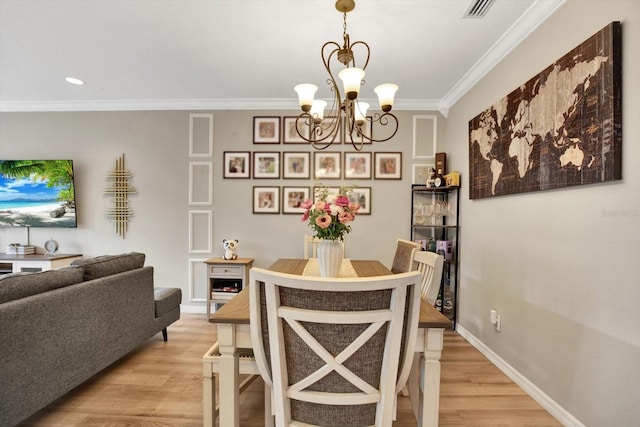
x=160, y=384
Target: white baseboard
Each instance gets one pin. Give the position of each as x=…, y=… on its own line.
x=196, y=309
x=557, y=411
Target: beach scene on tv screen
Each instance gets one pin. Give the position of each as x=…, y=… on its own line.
x=37, y=193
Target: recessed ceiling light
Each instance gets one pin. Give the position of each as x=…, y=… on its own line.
x=74, y=81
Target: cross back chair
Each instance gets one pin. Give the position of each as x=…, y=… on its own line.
x=311, y=246
x=403, y=256
x=430, y=265
x=335, y=352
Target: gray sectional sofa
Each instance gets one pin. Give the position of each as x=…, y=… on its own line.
x=60, y=327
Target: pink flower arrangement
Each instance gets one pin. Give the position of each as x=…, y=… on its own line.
x=331, y=214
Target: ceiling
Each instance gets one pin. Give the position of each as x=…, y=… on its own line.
x=243, y=54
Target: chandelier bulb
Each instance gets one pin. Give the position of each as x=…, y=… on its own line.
x=317, y=110
x=306, y=92
x=360, y=112
x=351, y=80
x=386, y=93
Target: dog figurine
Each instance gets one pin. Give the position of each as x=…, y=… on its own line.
x=230, y=249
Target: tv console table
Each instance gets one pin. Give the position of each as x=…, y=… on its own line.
x=34, y=262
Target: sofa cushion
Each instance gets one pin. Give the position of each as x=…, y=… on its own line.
x=21, y=285
x=107, y=265
x=166, y=299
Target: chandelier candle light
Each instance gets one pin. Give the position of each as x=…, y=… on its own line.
x=323, y=133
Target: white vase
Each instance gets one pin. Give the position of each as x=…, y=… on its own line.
x=330, y=254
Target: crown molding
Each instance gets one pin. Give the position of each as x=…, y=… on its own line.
x=537, y=13
x=185, y=104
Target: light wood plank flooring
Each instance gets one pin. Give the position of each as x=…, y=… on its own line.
x=160, y=384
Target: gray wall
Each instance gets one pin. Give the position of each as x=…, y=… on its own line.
x=561, y=267
x=156, y=149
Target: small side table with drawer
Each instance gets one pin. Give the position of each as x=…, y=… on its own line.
x=225, y=278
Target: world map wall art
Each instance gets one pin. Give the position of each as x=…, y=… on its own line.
x=562, y=128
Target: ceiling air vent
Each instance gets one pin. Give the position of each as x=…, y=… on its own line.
x=478, y=8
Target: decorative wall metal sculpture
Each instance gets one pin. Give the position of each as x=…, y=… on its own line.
x=561, y=128
x=119, y=189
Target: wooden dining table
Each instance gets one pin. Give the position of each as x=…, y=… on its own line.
x=233, y=334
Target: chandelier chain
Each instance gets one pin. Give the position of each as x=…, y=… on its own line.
x=344, y=26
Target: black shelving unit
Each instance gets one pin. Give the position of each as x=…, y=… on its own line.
x=427, y=206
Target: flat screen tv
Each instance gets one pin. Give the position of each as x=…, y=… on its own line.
x=37, y=193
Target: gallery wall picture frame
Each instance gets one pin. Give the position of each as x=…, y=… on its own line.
x=292, y=198
x=266, y=200
x=357, y=165
x=290, y=134
x=266, y=130
x=362, y=195
x=330, y=191
x=367, y=130
x=296, y=165
x=420, y=173
x=328, y=123
x=326, y=165
x=388, y=165
x=266, y=164
x=236, y=164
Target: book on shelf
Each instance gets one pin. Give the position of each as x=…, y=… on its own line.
x=20, y=250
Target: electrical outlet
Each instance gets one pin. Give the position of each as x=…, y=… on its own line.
x=493, y=315
x=498, y=323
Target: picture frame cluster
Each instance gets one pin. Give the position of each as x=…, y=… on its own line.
x=290, y=130
x=322, y=166
x=319, y=165
x=288, y=199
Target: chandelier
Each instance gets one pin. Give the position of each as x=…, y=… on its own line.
x=321, y=131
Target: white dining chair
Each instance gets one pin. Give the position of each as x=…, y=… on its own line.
x=246, y=366
x=430, y=265
x=334, y=350
x=403, y=256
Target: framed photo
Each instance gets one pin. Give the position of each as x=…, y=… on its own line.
x=326, y=165
x=296, y=165
x=290, y=134
x=420, y=173
x=357, y=165
x=388, y=166
x=266, y=164
x=422, y=243
x=367, y=130
x=266, y=200
x=330, y=191
x=237, y=164
x=362, y=195
x=328, y=123
x=292, y=198
x=266, y=130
